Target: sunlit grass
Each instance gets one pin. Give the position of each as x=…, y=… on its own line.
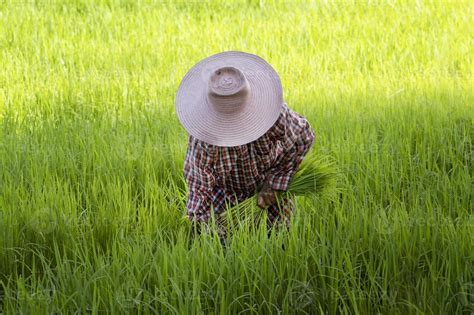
x=91, y=155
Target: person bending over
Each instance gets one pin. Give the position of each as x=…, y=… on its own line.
x=243, y=138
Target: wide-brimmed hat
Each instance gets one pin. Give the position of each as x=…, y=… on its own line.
x=229, y=99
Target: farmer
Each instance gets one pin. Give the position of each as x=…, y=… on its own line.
x=243, y=139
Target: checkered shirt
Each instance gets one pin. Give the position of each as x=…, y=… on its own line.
x=221, y=176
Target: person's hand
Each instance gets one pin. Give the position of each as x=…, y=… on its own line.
x=266, y=197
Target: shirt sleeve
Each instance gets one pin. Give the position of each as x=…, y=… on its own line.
x=298, y=138
x=199, y=178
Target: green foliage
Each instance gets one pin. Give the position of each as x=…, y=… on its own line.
x=315, y=177
x=91, y=156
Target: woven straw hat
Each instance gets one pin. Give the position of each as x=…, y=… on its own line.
x=229, y=99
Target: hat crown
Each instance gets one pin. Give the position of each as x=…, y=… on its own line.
x=234, y=106
x=228, y=89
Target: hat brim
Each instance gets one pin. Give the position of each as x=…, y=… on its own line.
x=262, y=108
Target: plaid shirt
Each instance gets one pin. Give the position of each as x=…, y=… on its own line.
x=218, y=175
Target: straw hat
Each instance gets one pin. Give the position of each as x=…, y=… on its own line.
x=229, y=99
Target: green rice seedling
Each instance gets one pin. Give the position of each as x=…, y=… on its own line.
x=91, y=157
x=316, y=176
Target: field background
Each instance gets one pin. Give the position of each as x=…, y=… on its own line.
x=91, y=156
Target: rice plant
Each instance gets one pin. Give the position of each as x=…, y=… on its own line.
x=91, y=158
x=315, y=176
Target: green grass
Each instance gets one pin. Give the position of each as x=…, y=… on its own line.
x=91, y=155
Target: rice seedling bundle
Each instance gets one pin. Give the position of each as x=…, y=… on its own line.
x=316, y=176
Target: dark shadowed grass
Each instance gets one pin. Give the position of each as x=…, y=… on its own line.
x=84, y=227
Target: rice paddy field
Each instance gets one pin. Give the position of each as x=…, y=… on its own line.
x=92, y=194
